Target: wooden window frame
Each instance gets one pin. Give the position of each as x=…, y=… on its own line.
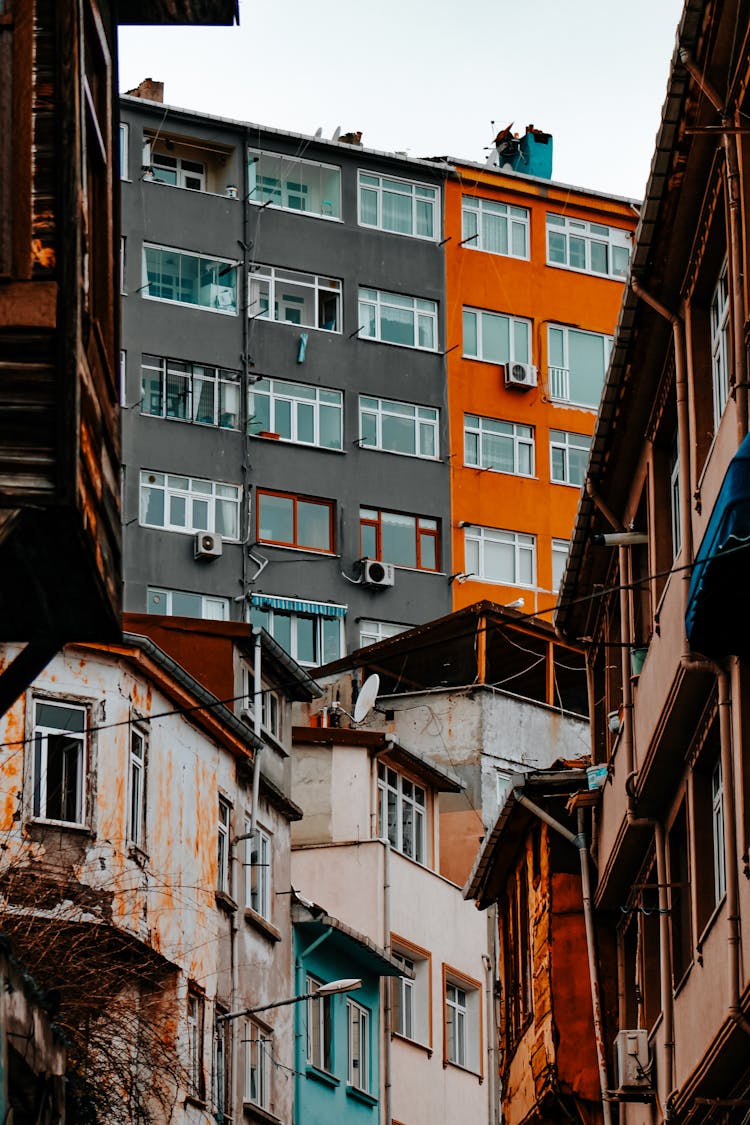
x=296, y=498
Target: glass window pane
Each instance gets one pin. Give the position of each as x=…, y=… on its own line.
x=368, y=207
x=331, y=628
x=330, y=427
x=521, y=348
x=587, y=363
x=557, y=247
x=369, y=429
x=313, y=525
x=599, y=257
x=397, y=215
x=306, y=647
x=276, y=518
x=470, y=333
x=428, y=556
x=306, y=422
x=282, y=630
x=154, y=507
x=396, y=325
x=282, y=418
x=399, y=434
x=426, y=331
x=495, y=338
x=369, y=541
x=399, y=544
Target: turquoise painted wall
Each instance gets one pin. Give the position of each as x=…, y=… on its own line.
x=322, y=1098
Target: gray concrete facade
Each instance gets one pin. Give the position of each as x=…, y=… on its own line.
x=247, y=235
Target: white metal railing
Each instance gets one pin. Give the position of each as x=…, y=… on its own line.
x=559, y=383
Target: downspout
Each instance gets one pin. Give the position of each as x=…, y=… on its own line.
x=387, y=1013
x=578, y=840
x=257, y=705
x=490, y=965
x=665, y=956
x=730, y=142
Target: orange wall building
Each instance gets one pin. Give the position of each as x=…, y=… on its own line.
x=534, y=284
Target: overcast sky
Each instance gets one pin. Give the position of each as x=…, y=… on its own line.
x=429, y=77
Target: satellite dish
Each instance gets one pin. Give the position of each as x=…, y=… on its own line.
x=336, y=133
x=318, y=133
x=366, y=698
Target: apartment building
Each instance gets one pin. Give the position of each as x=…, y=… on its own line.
x=283, y=380
x=535, y=273
x=665, y=612
x=323, y=431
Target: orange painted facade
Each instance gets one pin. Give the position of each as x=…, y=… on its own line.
x=543, y=294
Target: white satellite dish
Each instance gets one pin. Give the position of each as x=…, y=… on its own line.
x=366, y=698
x=318, y=133
x=336, y=133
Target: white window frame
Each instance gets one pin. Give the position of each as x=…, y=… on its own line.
x=269, y=615
x=259, y=872
x=123, y=264
x=720, y=344
x=517, y=435
x=75, y=740
x=674, y=497
x=258, y=1043
x=560, y=551
x=358, y=1046
x=319, y=1047
x=137, y=789
x=372, y=631
x=456, y=1021
x=166, y=162
x=189, y=378
x=299, y=397
x=718, y=833
x=425, y=424
x=560, y=377
x=196, y=491
x=218, y=293
x=424, y=312
x=589, y=233
x=406, y=806
x=223, y=840
x=410, y=996
x=522, y=544
x=379, y=185
x=278, y=301
x=517, y=325
x=124, y=150
x=565, y=442
x=478, y=214
x=403, y=999
x=212, y=608
x=288, y=190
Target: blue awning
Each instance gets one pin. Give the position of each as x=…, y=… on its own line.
x=717, y=620
x=295, y=605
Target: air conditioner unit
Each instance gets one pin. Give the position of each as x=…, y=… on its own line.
x=218, y=296
x=520, y=376
x=208, y=545
x=377, y=575
x=633, y=1060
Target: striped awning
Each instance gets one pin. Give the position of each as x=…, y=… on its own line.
x=294, y=605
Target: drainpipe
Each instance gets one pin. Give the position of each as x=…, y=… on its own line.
x=665, y=956
x=578, y=840
x=387, y=1013
x=257, y=705
x=730, y=142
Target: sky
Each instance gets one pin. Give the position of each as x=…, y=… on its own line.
x=430, y=77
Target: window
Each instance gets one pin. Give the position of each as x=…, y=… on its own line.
x=505, y=447
x=680, y=907
x=577, y=365
x=720, y=345
x=568, y=457
x=178, y=171
x=124, y=143
x=674, y=496
x=392, y=318
x=195, y=1015
x=410, y=995
x=398, y=427
x=270, y=704
x=319, y=1053
x=305, y=415
x=398, y=206
x=496, y=338
x=500, y=556
x=560, y=548
x=222, y=1092
x=399, y=539
x=497, y=228
x=517, y=952
x=60, y=766
x=258, y=872
x=401, y=813
x=462, y=1020
x=588, y=247
x=311, y=632
x=137, y=788
x=717, y=832
x=223, y=837
x=258, y=1058
x=190, y=392
x=123, y=264
x=708, y=816
x=294, y=184
x=291, y=297
x=189, y=505
x=180, y=603
x=455, y=1024
x=370, y=632
x=189, y=279
x=294, y=521
x=358, y=1046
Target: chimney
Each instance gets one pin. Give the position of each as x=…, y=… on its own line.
x=149, y=90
